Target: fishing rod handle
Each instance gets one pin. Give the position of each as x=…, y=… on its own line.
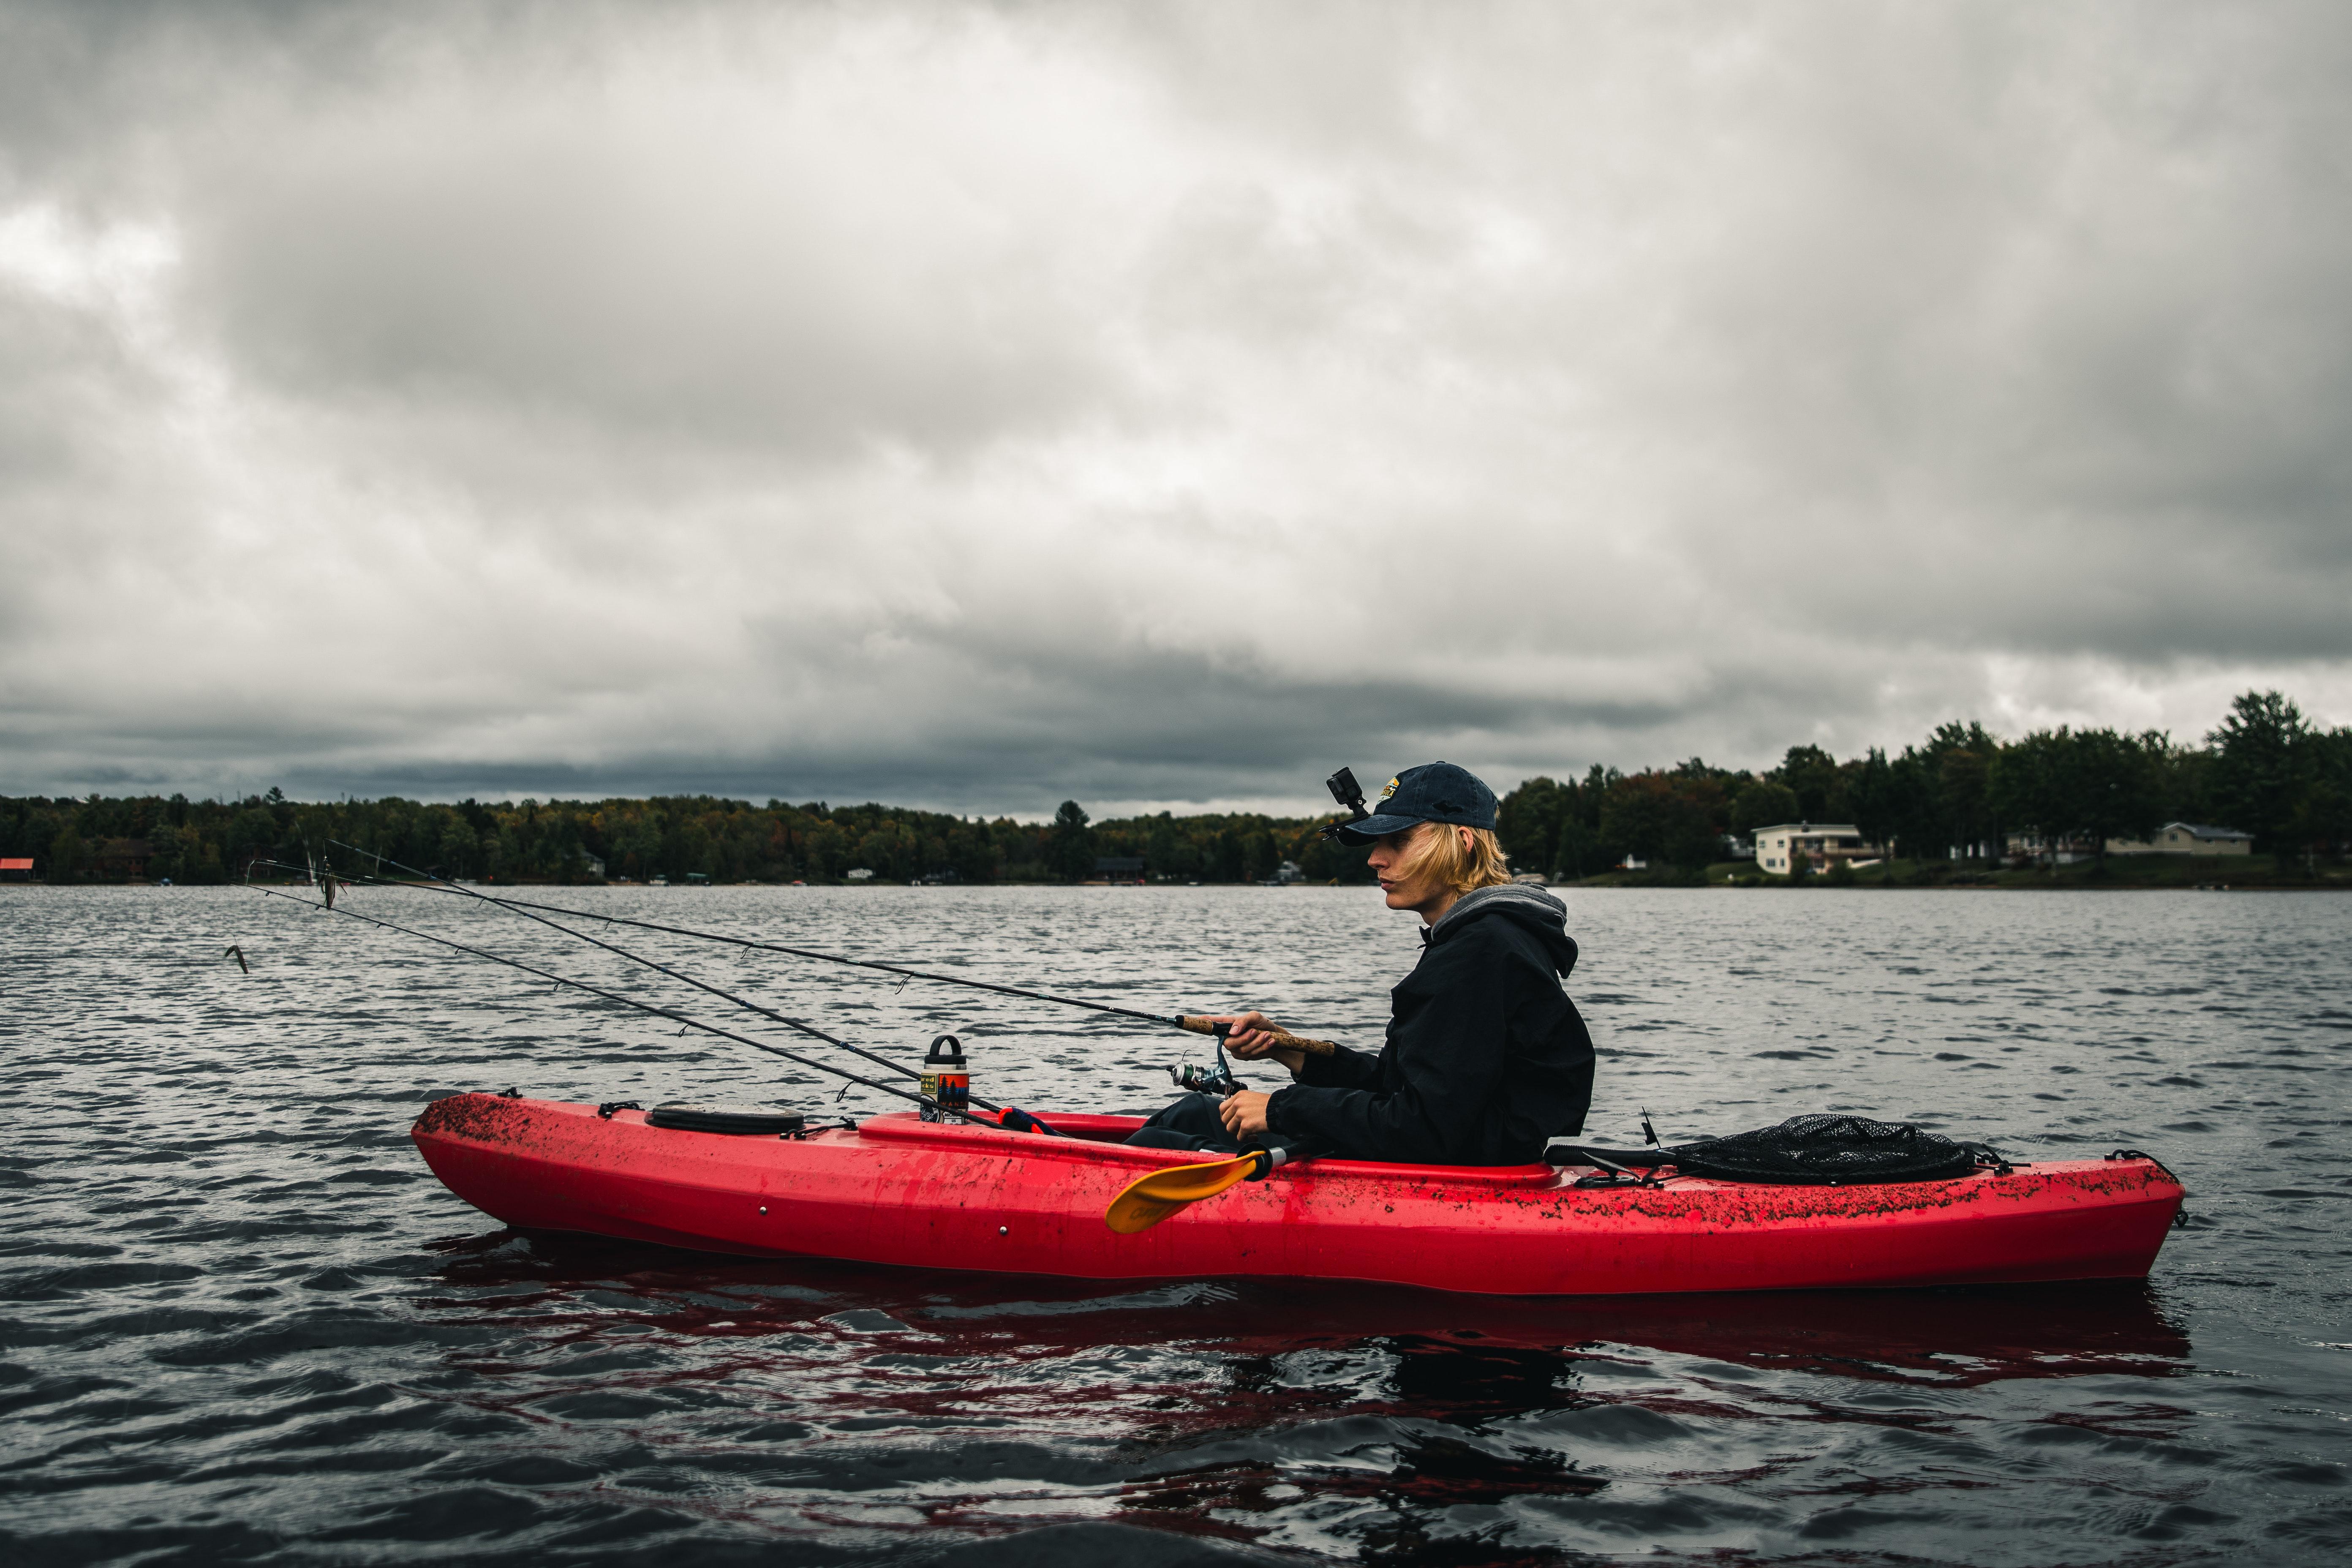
x=1200, y=1025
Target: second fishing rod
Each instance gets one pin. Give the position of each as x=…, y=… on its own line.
x=946, y=1084
x=670, y=1014
x=1220, y=1078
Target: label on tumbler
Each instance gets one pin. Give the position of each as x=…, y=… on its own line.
x=945, y=1082
x=954, y=1092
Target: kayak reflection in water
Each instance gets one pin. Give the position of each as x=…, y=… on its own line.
x=1487, y=1059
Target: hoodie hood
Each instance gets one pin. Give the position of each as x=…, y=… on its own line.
x=1531, y=908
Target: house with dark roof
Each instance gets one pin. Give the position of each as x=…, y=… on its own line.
x=2185, y=838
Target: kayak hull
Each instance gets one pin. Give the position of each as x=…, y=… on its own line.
x=896, y=1190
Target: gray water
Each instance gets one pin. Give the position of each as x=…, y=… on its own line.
x=244, y=1324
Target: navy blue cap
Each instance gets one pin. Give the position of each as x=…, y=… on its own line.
x=1434, y=792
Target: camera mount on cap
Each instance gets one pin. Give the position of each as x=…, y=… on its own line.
x=1348, y=792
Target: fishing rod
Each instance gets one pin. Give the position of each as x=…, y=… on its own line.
x=743, y=1002
x=671, y=1014
x=808, y=1029
x=1193, y=1024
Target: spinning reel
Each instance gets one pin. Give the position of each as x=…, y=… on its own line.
x=1218, y=1080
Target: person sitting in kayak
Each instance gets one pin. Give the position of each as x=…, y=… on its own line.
x=1487, y=1059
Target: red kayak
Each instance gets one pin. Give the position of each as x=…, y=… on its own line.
x=898, y=1190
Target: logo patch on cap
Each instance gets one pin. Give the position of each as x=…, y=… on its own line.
x=1390, y=790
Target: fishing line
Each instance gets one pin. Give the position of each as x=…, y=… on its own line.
x=671, y=1014
x=744, y=1002
x=808, y=1029
x=1164, y=1020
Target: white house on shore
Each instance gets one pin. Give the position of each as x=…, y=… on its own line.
x=1820, y=843
x=2185, y=838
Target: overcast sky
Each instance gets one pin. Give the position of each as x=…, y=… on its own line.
x=973, y=407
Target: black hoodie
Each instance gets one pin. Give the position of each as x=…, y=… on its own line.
x=1485, y=1059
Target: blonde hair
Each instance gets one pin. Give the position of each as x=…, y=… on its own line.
x=1443, y=855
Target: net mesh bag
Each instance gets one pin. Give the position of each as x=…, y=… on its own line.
x=1833, y=1150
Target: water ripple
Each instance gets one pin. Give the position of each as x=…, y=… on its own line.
x=244, y=1325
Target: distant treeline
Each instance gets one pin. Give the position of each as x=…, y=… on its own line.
x=151, y=838
x=2265, y=770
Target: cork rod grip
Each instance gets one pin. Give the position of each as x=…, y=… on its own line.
x=1281, y=1037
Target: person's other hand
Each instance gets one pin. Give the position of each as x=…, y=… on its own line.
x=1245, y=1113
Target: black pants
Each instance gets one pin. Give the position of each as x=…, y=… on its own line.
x=1191, y=1124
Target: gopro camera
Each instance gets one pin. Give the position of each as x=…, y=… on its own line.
x=1348, y=792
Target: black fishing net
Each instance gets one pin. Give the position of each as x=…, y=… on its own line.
x=1812, y=1151
x=1833, y=1150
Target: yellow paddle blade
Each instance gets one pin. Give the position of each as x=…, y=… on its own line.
x=1153, y=1197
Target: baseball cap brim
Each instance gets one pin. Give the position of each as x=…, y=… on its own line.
x=1365, y=829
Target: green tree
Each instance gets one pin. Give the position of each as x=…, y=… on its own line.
x=1070, y=853
x=2074, y=785
x=1877, y=799
x=459, y=852
x=164, y=844
x=1963, y=791
x=828, y=850
x=253, y=835
x=1939, y=791
x=2187, y=780
x=1763, y=802
x=1664, y=818
x=2027, y=784
x=1528, y=821
x=2326, y=816
x=1917, y=827
x=1583, y=850
x=2264, y=763
x=1812, y=775
x=2115, y=784
x=69, y=854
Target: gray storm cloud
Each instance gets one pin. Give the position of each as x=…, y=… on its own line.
x=976, y=407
